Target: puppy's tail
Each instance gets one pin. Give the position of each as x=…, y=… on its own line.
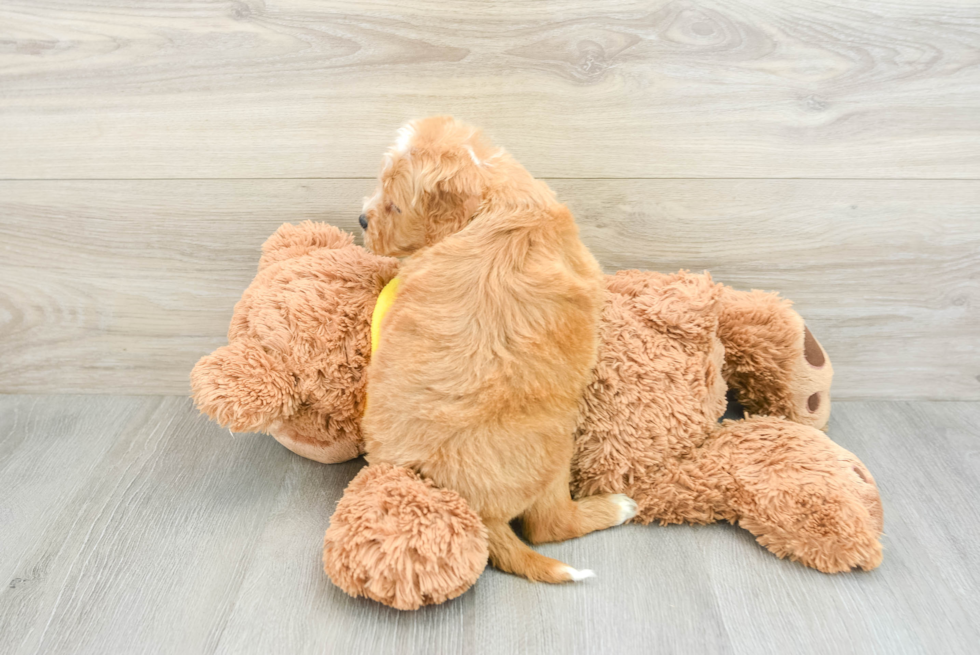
x=510, y=554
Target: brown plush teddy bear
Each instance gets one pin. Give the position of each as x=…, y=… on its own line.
x=670, y=348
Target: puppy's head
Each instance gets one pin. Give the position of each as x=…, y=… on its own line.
x=431, y=183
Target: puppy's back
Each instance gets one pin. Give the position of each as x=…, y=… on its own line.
x=487, y=351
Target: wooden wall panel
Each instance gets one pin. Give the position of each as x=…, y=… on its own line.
x=119, y=286
x=303, y=88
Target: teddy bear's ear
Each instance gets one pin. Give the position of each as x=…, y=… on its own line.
x=243, y=387
x=294, y=240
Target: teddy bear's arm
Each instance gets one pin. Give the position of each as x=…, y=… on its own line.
x=243, y=387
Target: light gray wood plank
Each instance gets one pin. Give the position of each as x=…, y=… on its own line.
x=886, y=273
x=49, y=449
x=182, y=539
x=120, y=286
x=297, y=88
x=145, y=552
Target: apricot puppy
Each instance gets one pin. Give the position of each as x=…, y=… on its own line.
x=487, y=350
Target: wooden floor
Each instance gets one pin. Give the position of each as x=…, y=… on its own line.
x=131, y=524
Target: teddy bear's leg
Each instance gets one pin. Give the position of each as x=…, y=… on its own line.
x=773, y=361
x=402, y=541
x=801, y=495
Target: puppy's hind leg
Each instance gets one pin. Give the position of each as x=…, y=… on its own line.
x=554, y=516
x=510, y=554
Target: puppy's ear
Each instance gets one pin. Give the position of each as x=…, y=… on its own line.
x=448, y=213
x=447, y=171
x=443, y=153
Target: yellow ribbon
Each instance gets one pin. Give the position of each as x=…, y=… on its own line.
x=385, y=300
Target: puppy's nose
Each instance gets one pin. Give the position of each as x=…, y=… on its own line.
x=362, y=219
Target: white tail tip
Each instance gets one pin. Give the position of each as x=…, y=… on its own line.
x=577, y=576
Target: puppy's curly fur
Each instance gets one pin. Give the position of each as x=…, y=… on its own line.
x=486, y=352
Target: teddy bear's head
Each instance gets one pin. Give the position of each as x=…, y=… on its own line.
x=299, y=344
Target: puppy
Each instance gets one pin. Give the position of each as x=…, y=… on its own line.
x=487, y=350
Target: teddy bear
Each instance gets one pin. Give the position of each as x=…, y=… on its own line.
x=671, y=347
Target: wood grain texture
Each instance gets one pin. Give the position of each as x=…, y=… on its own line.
x=165, y=516
x=165, y=534
x=119, y=287
x=297, y=88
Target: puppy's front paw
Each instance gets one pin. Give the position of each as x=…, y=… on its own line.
x=627, y=507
